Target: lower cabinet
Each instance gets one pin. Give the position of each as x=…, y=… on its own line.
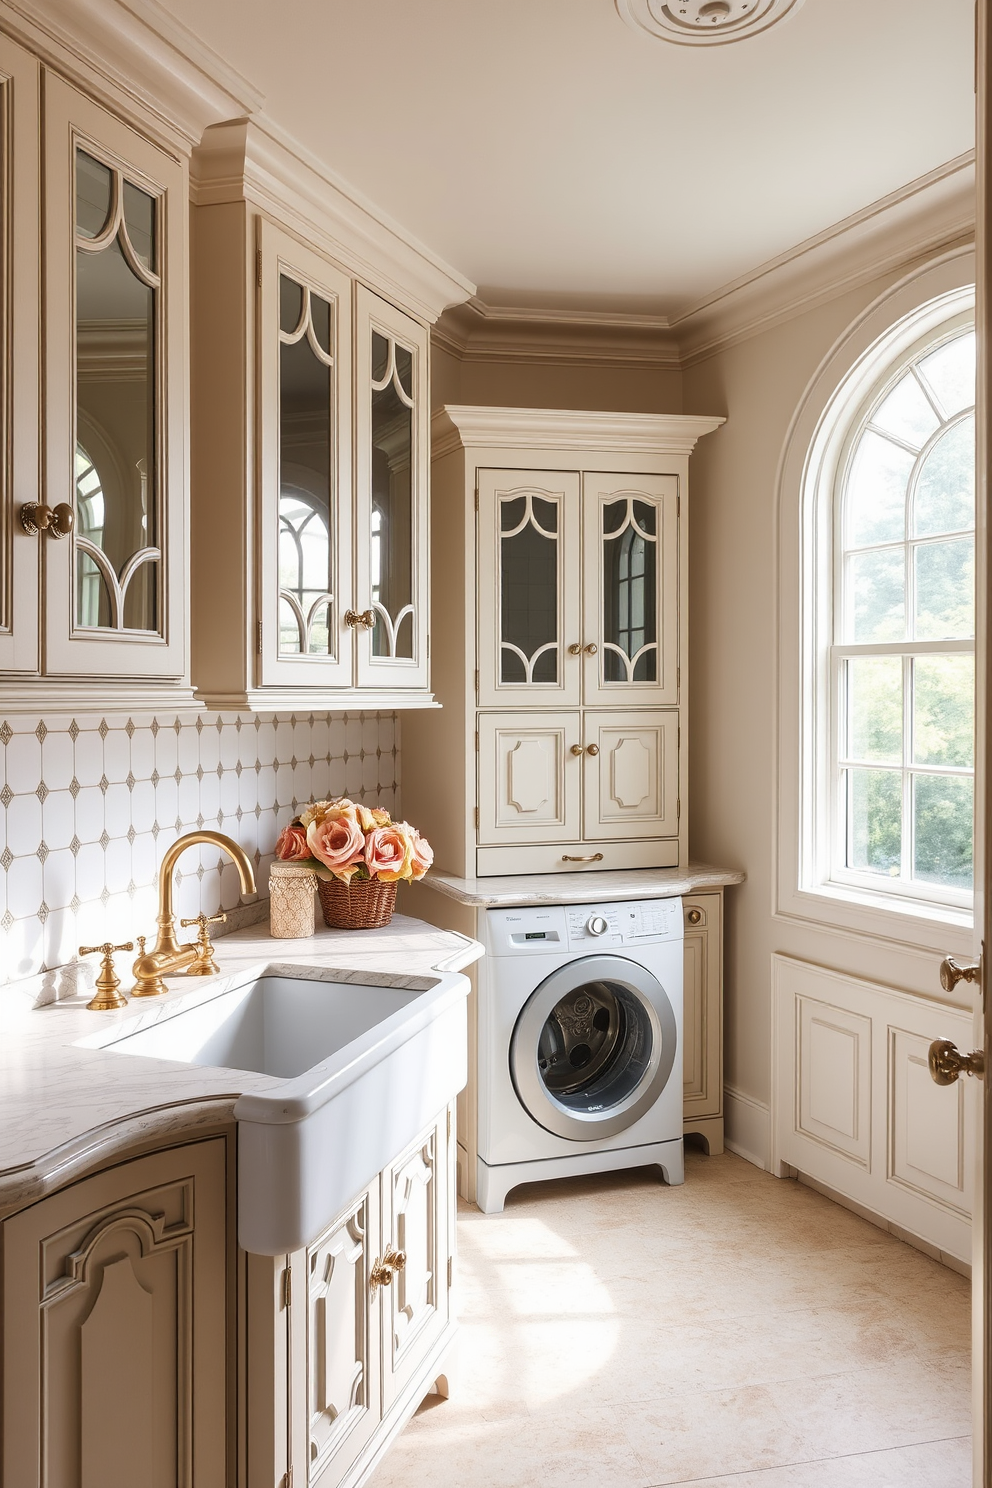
x=702, y=1046
x=115, y=1305
x=348, y=1336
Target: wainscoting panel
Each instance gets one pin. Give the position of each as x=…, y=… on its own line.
x=853, y=1105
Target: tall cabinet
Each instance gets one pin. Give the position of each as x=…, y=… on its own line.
x=559, y=643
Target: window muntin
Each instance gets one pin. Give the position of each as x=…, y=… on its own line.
x=902, y=662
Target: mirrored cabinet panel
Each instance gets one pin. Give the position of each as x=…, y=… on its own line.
x=390, y=615
x=115, y=216
x=305, y=496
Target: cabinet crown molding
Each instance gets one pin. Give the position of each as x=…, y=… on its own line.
x=254, y=160
x=143, y=51
x=457, y=426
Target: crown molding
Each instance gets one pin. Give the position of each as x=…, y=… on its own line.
x=479, y=332
x=458, y=426
x=142, y=53
x=928, y=216
x=254, y=160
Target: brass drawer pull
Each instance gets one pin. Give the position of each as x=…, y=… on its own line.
x=383, y=1271
x=363, y=617
x=592, y=858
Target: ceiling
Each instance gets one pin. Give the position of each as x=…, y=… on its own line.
x=558, y=158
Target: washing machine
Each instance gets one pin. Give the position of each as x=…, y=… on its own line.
x=580, y=1043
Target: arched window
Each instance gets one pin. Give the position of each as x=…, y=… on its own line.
x=896, y=737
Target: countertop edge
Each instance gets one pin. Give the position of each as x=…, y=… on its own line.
x=582, y=888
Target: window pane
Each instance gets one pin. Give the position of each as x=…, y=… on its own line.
x=875, y=601
x=950, y=371
x=943, y=710
x=876, y=492
x=874, y=709
x=945, y=491
x=945, y=590
x=943, y=807
x=874, y=820
x=907, y=413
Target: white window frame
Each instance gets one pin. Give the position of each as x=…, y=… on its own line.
x=913, y=310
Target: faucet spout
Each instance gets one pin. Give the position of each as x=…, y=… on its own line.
x=168, y=955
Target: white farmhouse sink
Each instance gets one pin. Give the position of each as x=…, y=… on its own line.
x=363, y=1068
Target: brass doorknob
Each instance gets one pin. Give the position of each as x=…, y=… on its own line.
x=953, y=971
x=58, y=520
x=383, y=1271
x=947, y=1062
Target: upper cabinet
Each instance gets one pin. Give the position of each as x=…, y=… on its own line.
x=310, y=463
x=92, y=535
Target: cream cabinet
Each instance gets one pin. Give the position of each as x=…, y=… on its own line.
x=309, y=473
x=559, y=633
x=702, y=991
x=347, y=1336
x=115, y=1301
x=93, y=535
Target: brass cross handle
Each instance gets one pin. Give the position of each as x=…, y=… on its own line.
x=57, y=520
x=360, y=617
x=204, y=965
x=383, y=1271
x=947, y=1062
x=108, y=983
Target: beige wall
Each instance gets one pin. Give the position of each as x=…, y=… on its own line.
x=613, y=388
x=733, y=533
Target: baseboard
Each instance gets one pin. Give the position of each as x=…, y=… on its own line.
x=747, y=1127
x=945, y=1257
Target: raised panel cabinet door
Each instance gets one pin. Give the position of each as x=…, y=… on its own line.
x=344, y=1351
x=630, y=576
x=20, y=320
x=530, y=652
x=631, y=775
x=415, y=1223
x=115, y=218
x=529, y=777
x=304, y=530
x=115, y=1329
x=702, y=1008
x=392, y=465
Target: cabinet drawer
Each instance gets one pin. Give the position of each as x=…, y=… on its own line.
x=490, y=862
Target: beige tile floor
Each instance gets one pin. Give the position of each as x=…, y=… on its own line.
x=740, y=1331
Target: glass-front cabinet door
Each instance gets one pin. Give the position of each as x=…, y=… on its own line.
x=304, y=532
x=530, y=646
x=390, y=613
x=115, y=216
x=19, y=347
x=631, y=581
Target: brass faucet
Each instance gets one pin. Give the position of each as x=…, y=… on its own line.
x=168, y=956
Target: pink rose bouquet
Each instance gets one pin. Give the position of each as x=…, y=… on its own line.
x=343, y=839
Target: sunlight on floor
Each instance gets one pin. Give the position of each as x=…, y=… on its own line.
x=619, y=1334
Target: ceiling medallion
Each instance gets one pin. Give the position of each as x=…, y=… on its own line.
x=704, y=22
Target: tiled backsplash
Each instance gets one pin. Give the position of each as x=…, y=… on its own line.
x=88, y=805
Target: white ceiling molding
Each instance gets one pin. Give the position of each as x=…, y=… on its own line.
x=142, y=52
x=461, y=425
x=931, y=214
x=479, y=332
x=254, y=160
x=704, y=22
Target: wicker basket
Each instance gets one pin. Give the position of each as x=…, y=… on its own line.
x=362, y=904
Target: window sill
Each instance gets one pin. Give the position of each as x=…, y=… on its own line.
x=936, y=928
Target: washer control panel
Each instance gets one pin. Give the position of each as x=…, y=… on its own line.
x=533, y=930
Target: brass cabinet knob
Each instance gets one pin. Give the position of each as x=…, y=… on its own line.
x=56, y=520
x=108, y=983
x=360, y=617
x=577, y=749
x=383, y=1271
x=575, y=649
x=953, y=971
x=592, y=749
x=591, y=649
x=694, y=916
x=947, y=1062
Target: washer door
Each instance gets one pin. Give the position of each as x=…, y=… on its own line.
x=593, y=1047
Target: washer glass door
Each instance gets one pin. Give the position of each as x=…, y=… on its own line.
x=593, y=1047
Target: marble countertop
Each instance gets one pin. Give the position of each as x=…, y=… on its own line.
x=583, y=888
x=66, y=1110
